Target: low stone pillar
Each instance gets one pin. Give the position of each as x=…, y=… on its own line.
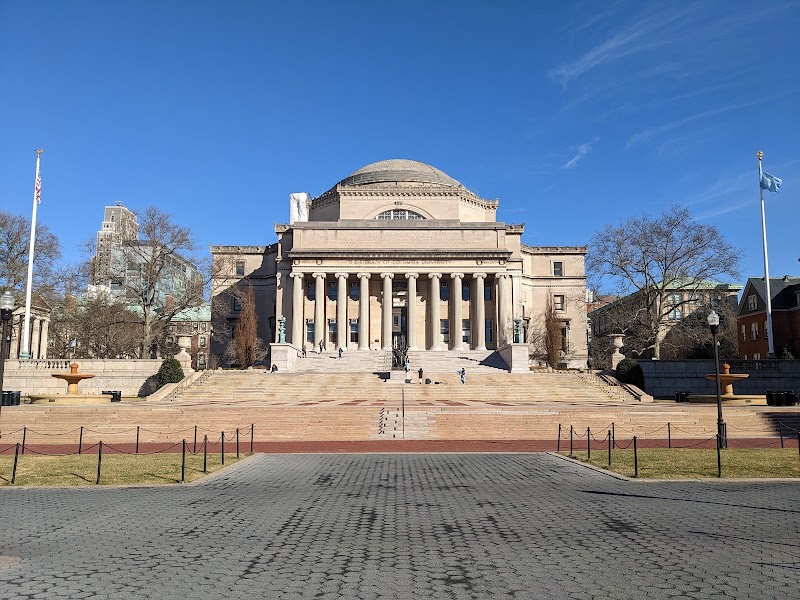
x=616, y=343
x=183, y=357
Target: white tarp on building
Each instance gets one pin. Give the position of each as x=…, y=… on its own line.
x=298, y=207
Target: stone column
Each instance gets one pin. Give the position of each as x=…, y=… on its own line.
x=363, y=312
x=341, y=309
x=436, y=333
x=386, y=318
x=479, y=320
x=456, y=343
x=34, y=339
x=43, y=343
x=503, y=309
x=297, y=310
x=320, y=327
x=411, y=316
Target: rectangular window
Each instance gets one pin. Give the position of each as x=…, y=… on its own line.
x=203, y=327
x=310, y=330
x=311, y=290
x=237, y=305
x=465, y=292
x=558, y=269
x=487, y=292
x=333, y=290
x=444, y=329
x=355, y=291
x=756, y=355
x=444, y=291
x=465, y=331
x=489, y=331
x=332, y=331
x=240, y=268
x=565, y=339
x=744, y=334
x=202, y=341
x=558, y=302
x=201, y=359
x=354, y=331
x=766, y=331
x=752, y=303
x=753, y=331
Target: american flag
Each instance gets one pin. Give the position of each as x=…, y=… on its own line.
x=37, y=190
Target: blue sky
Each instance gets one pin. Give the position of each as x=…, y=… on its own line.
x=573, y=116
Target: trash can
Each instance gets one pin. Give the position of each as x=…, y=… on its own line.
x=5, y=399
x=791, y=398
x=15, y=398
x=770, y=398
x=780, y=398
x=116, y=395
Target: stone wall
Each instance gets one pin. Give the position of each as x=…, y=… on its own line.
x=133, y=377
x=662, y=378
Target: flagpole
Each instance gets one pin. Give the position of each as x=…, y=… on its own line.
x=771, y=347
x=26, y=336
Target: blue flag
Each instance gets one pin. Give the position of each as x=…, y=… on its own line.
x=770, y=182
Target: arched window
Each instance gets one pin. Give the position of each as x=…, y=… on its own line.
x=398, y=214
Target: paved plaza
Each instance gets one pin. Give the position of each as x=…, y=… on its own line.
x=404, y=526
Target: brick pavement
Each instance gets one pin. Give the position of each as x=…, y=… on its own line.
x=403, y=526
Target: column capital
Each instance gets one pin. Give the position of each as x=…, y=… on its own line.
x=387, y=275
x=411, y=275
x=456, y=276
x=363, y=275
x=434, y=275
x=318, y=275
x=502, y=275
x=297, y=274
x=479, y=275
x=341, y=275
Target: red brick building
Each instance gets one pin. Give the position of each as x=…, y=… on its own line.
x=751, y=318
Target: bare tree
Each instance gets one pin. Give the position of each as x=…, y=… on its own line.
x=158, y=272
x=246, y=348
x=15, y=236
x=544, y=335
x=648, y=260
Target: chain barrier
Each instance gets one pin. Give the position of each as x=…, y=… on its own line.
x=83, y=451
x=674, y=447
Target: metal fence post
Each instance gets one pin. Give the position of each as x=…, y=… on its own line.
x=669, y=435
x=222, y=444
x=635, y=459
x=14, y=470
x=570, y=439
x=99, y=461
x=205, y=453
x=613, y=436
x=24, y=435
x=780, y=431
x=719, y=457
x=137, y=439
x=588, y=443
x=194, y=444
x=237, y=442
x=252, y=435
x=80, y=440
x=183, y=461
x=609, y=447
x=558, y=444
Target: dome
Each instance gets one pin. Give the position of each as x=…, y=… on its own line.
x=399, y=170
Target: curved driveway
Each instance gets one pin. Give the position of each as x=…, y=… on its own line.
x=404, y=526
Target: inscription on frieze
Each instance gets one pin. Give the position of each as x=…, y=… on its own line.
x=405, y=238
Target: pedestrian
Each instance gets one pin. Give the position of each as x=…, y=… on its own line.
x=304, y=351
x=321, y=346
x=341, y=350
x=463, y=373
x=407, y=366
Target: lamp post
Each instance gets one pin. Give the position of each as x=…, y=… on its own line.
x=722, y=434
x=6, y=306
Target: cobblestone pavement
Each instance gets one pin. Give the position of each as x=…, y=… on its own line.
x=404, y=526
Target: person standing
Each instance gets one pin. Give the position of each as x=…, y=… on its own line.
x=463, y=374
x=341, y=350
x=321, y=346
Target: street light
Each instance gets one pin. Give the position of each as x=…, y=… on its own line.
x=6, y=306
x=722, y=434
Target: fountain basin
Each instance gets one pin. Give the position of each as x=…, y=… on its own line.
x=71, y=399
x=735, y=400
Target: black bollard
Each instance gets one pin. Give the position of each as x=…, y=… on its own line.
x=635, y=459
x=719, y=456
x=558, y=444
x=588, y=444
x=252, y=435
x=570, y=440
x=205, y=453
x=609, y=447
x=14, y=470
x=194, y=445
x=222, y=444
x=237, y=442
x=80, y=441
x=780, y=431
x=183, y=461
x=669, y=435
x=613, y=436
x=99, y=461
x=24, y=435
x=137, y=439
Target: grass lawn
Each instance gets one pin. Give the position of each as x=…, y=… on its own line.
x=116, y=469
x=684, y=463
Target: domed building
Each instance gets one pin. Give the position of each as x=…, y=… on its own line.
x=400, y=254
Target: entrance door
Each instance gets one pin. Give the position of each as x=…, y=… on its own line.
x=399, y=331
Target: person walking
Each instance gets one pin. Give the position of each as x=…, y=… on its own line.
x=463, y=374
x=321, y=346
x=341, y=350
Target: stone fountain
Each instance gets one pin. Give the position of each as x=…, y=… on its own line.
x=72, y=396
x=726, y=381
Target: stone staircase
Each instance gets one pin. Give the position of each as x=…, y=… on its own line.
x=449, y=361
x=353, y=406
x=352, y=361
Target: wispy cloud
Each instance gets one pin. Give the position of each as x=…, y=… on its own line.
x=581, y=151
x=650, y=132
